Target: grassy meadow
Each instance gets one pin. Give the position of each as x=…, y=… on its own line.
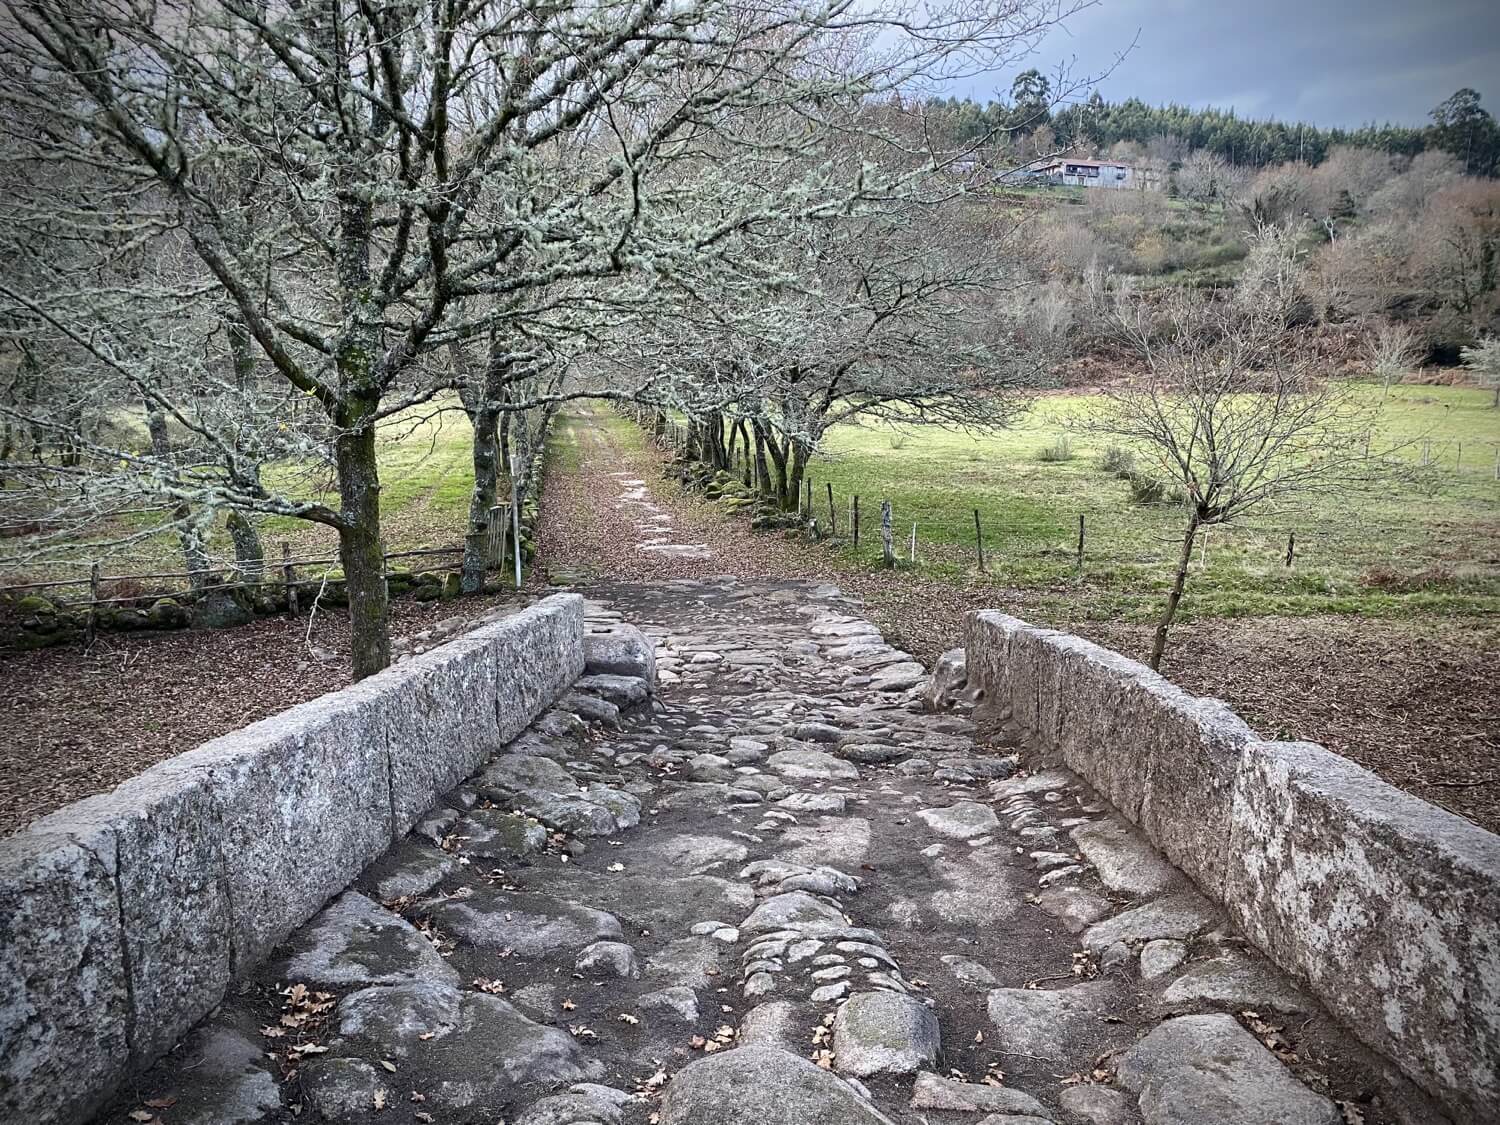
x=426, y=475
x=1425, y=541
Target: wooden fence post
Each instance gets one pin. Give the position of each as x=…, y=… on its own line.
x=914, y=541
x=854, y=513
x=289, y=577
x=833, y=527
x=1291, y=546
x=979, y=540
x=1080, y=539
x=885, y=533
x=807, y=504
x=89, y=626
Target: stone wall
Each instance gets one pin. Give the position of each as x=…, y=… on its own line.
x=1386, y=906
x=124, y=918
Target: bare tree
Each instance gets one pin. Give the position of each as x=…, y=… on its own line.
x=1206, y=178
x=1483, y=361
x=1231, y=406
x=1391, y=350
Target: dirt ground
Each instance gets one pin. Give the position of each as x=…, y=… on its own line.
x=1414, y=701
x=75, y=722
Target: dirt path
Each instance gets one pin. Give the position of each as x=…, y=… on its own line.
x=1414, y=701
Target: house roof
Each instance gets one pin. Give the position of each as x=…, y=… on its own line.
x=1084, y=163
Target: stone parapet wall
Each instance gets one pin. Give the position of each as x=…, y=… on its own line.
x=1387, y=907
x=125, y=917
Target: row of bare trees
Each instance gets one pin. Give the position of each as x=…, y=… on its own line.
x=268, y=228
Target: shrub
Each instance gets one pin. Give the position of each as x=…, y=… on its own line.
x=1118, y=462
x=1146, y=489
x=1060, y=450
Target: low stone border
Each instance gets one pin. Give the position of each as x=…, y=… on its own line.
x=125, y=917
x=1387, y=907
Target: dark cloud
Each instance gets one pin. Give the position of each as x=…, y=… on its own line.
x=1332, y=63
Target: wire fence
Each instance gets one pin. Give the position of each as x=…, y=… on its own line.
x=1288, y=542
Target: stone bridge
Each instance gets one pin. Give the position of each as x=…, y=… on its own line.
x=753, y=867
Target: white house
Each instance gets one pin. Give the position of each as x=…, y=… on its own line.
x=1089, y=173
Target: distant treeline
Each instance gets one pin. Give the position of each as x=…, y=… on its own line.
x=1459, y=126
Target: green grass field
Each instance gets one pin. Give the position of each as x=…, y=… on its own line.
x=426, y=474
x=1428, y=544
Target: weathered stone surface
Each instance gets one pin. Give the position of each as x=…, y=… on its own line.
x=1387, y=906
x=508, y=775
x=591, y=708
x=793, y=910
x=531, y=924
x=813, y=802
x=608, y=959
x=1161, y=956
x=1049, y=1022
x=230, y=1083
x=694, y=853
x=1208, y=1068
x=961, y=821
x=479, y=1044
x=624, y=807
x=395, y=1019
x=345, y=1090
x=762, y=1086
x=433, y=717
x=1164, y=758
x=619, y=650
x=949, y=677
x=1126, y=862
x=653, y=902
x=65, y=1006
x=884, y=1033
x=935, y=1092
x=1097, y=1105
x=1075, y=908
x=1233, y=980
x=538, y=652
x=968, y=970
x=499, y=835
x=897, y=677
x=772, y=1024
x=584, y=1104
x=409, y=869
x=301, y=804
x=872, y=753
x=811, y=765
x=1180, y=916
x=679, y=1001
x=816, y=732
x=623, y=691
x=574, y=815
x=358, y=942
x=175, y=919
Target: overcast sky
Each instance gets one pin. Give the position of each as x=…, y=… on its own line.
x=1328, y=62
